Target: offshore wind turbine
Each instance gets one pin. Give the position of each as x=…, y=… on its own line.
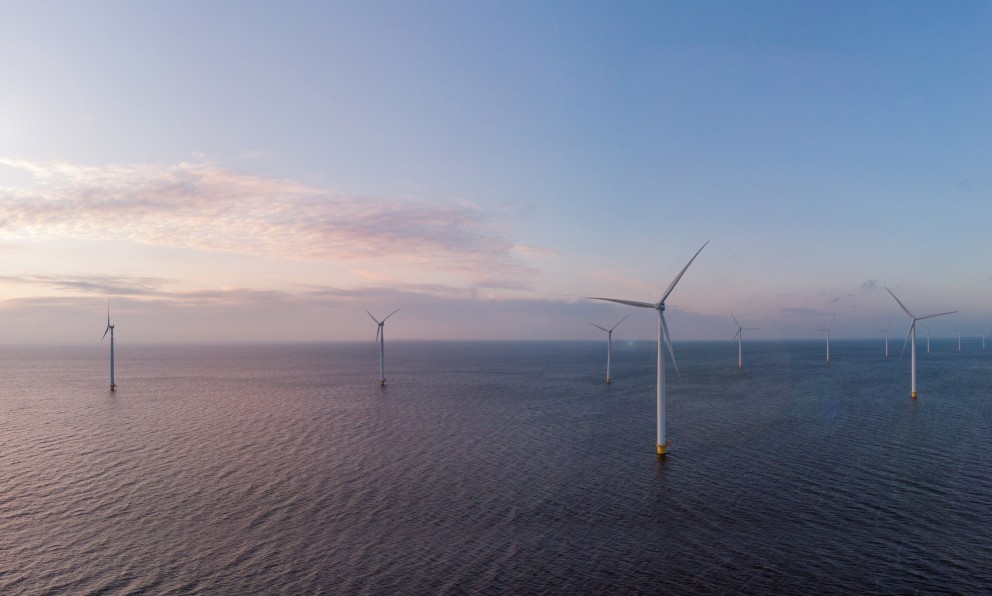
x=380, y=338
x=912, y=332
x=739, y=336
x=828, y=336
x=928, y=337
x=959, y=340
x=886, y=332
x=110, y=329
x=664, y=338
x=609, y=346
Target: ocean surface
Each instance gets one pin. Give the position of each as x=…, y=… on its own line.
x=494, y=467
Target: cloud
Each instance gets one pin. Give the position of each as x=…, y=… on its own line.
x=204, y=207
x=869, y=285
x=93, y=284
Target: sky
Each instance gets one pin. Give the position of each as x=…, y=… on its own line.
x=267, y=171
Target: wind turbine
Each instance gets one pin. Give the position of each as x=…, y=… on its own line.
x=959, y=340
x=739, y=336
x=828, y=336
x=928, y=337
x=912, y=331
x=609, y=346
x=380, y=338
x=886, y=332
x=664, y=338
x=110, y=329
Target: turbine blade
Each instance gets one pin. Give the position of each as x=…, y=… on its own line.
x=377, y=330
x=906, y=341
x=106, y=331
x=940, y=314
x=371, y=317
x=618, y=323
x=736, y=334
x=832, y=322
x=627, y=302
x=600, y=328
x=901, y=305
x=391, y=314
x=681, y=273
x=668, y=340
x=735, y=319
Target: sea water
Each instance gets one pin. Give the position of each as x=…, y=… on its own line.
x=494, y=467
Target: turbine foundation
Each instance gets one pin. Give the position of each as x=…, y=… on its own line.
x=382, y=382
x=913, y=395
x=662, y=449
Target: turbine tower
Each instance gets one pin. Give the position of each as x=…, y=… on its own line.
x=886, y=332
x=609, y=346
x=828, y=336
x=959, y=340
x=110, y=329
x=664, y=338
x=380, y=338
x=739, y=336
x=928, y=337
x=912, y=332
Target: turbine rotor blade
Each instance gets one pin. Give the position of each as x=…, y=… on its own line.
x=106, y=331
x=668, y=340
x=681, y=273
x=736, y=334
x=735, y=319
x=391, y=314
x=905, y=341
x=377, y=330
x=617, y=325
x=627, y=302
x=831, y=322
x=371, y=317
x=600, y=328
x=901, y=305
x=940, y=314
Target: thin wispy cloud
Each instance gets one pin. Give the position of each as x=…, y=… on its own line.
x=204, y=207
x=106, y=285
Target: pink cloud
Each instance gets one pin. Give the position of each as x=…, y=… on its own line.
x=205, y=207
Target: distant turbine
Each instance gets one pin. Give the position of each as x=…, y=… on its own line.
x=959, y=340
x=739, y=336
x=110, y=328
x=828, y=336
x=983, y=338
x=664, y=338
x=928, y=337
x=380, y=338
x=886, y=332
x=609, y=346
x=912, y=332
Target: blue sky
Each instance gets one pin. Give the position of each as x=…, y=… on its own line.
x=264, y=171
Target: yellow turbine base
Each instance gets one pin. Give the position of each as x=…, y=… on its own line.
x=382, y=382
x=913, y=395
x=608, y=381
x=663, y=448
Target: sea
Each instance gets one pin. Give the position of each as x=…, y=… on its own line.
x=494, y=468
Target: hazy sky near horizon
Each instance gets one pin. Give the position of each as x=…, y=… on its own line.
x=266, y=171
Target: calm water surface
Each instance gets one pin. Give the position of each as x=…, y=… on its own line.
x=493, y=467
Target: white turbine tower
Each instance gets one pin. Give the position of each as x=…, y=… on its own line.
x=959, y=340
x=912, y=332
x=609, y=346
x=110, y=329
x=664, y=338
x=886, y=332
x=928, y=337
x=739, y=336
x=828, y=336
x=380, y=338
